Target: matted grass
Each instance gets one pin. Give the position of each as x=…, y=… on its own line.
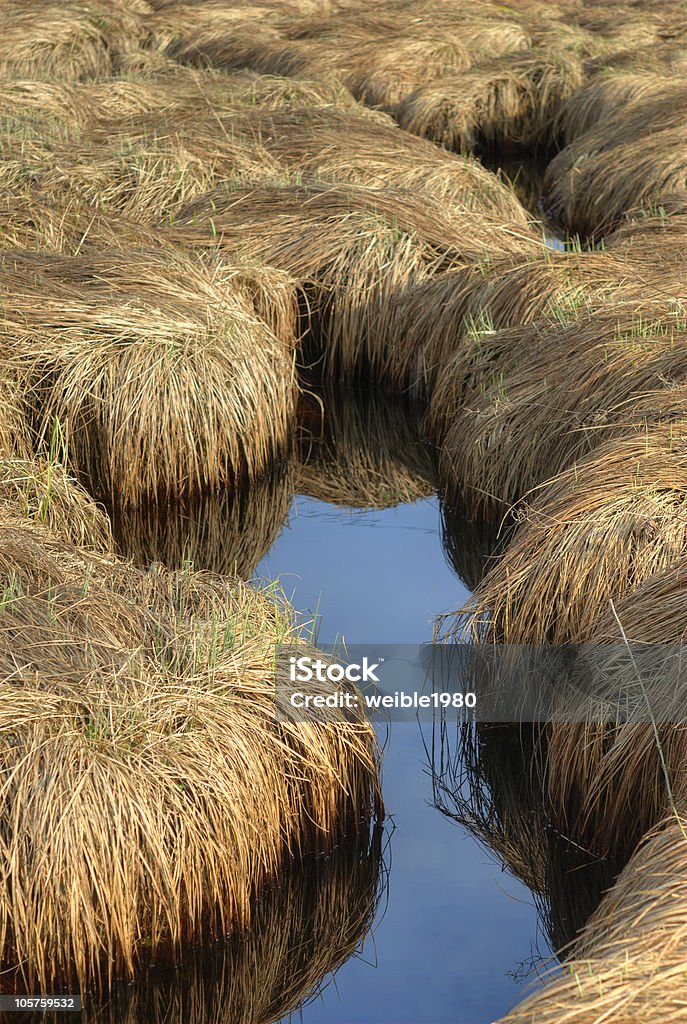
x=355, y=252
x=330, y=145
x=149, y=789
x=41, y=491
x=553, y=394
x=634, y=157
x=453, y=321
x=361, y=451
x=628, y=964
x=593, y=534
x=505, y=104
x=302, y=930
x=609, y=784
x=68, y=41
x=163, y=378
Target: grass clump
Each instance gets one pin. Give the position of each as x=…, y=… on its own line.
x=593, y=534
x=502, y=105
x=149, y=789
x=552, y=395
x=628, y=963
x=355, y=252
x=163, y=377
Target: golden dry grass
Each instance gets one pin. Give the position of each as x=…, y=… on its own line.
x=380, y=63
x=609, y=784
x=453, y=321
x=161, y=375
x=40, y=491
x=68, y=41
x=633, y=157
x=555, y=394
x=321, y=143
x=628, y=964
x=593, y=534
x=504, y=104
x=354, y=251
x=149, y=697
x=361, y=451
x=302, y=930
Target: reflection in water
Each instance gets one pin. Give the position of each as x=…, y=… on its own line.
x=471, y=546
x=303, y=929
x=362, y=449
x=225, y=532
x=492, y=780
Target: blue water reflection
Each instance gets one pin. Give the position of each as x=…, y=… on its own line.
x=451, y=941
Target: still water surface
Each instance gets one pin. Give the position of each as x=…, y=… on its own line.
x=454, y=935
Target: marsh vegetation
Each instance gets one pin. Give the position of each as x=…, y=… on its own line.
x=217, y=220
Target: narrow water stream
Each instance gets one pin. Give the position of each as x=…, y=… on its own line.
x=454, y=935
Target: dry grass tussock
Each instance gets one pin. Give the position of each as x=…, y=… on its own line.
x=608, y=785
x=628, y=964
x=302, y=930
x=635, y=156
x=163, y=378
x=505, y=104
x=593, y=534
x=354, y=251
x=359, y=452
x=142, y=168
x=453, y=321
x=68, y=41
x=40, y=491
x=226, y=532
x=543, y=397
x=379, y=67
x=169, y=89
x=321, y=143
x=148, y=787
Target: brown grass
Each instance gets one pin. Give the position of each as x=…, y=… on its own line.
x=361, y=452
x=380, y=67
x=68, y=41
x=161, y=375
x=608, y=785
x=454, y=320
x=226, y=532
x=554, y=395
x=633, y=157
x=628, y=964
x=355, y=251
x=329, y=145
x=593, y=534
x=602, y=98
x=41, y=491
x=151, y=698
x=506, y=104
